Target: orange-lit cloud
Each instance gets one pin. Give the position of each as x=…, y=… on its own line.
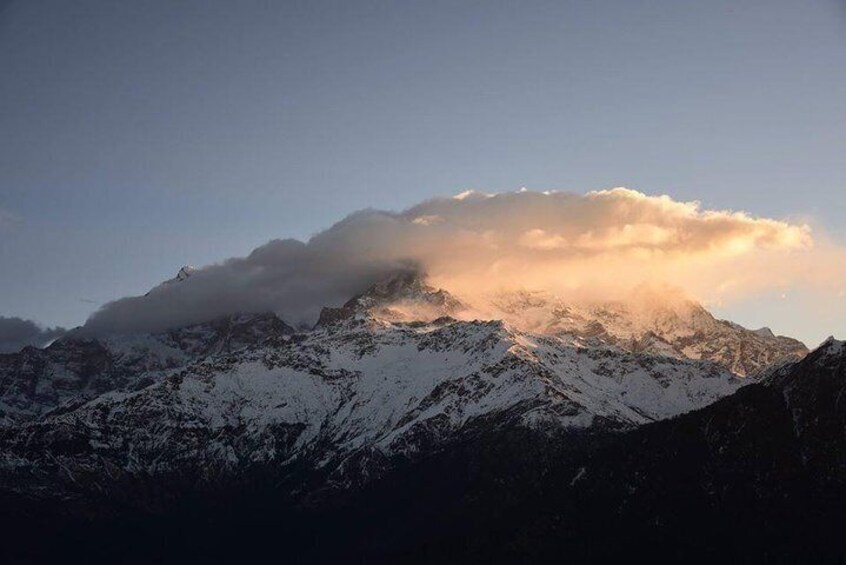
x=595, y=245
x=602, y=241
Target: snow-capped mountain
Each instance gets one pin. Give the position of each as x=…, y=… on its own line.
x=739, y=471
x=394, y=390
x=391, y=373
x=659, y=323
x=361, y=387
x=757, y=477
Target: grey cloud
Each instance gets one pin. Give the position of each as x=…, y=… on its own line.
x=17, y=333
x=289, y=277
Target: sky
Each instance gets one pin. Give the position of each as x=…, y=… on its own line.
x=137, y=137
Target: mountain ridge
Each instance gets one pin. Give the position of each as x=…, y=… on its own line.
x=34, y=381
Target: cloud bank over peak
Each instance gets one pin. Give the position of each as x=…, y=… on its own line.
x=593, y=245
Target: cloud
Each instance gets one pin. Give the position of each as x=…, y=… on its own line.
x=17, y=333
x=292, y=278
x=602, y=243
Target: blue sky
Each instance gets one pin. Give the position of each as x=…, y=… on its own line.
x=136, y=137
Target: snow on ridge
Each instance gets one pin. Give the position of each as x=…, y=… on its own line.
x=395, y=388
x=370, y=378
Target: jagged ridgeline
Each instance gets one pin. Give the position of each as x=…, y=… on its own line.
x=410, y=423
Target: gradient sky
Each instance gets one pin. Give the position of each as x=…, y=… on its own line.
x=138, y=136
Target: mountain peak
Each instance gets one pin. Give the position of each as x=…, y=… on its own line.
x=406, y=297
x=764, y=332
x=832, y=346
x=403, y=298
x=185, y=272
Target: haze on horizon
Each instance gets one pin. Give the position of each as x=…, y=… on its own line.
x=139, y=137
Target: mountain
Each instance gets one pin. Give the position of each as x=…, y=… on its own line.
x=659, y=323
x=663, y=323
x=77, y=368
x=759, y=476
x=399, y=427
x=343, y=399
